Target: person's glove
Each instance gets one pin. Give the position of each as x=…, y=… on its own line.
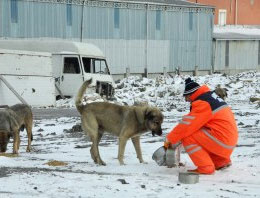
x=166, y=144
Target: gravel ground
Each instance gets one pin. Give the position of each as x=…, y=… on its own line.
x=40, y=113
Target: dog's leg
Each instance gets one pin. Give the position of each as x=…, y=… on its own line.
x=16, y=142
x=95, y=151
x=92, y=153
x=136, y=143
x=28, y=127
x=92, y=150
x=100, y=134
x=121, y=149
x=19, y=140
x=90, y=126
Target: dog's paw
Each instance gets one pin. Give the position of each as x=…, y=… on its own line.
x=28, y=149
x=122, y=163
x=143, y=162
x=101, y=162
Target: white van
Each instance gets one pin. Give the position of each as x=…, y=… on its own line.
x=72, y=64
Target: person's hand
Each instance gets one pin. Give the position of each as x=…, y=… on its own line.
x=166, y=144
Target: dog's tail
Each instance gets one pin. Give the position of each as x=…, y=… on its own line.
x=81, y=92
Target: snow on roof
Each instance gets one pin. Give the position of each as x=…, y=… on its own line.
x=236, y=33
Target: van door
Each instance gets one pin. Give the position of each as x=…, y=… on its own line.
x=95, y=67
x=72, y=77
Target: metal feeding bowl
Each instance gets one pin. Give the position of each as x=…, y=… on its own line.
x=167, y=157
x=188, y=177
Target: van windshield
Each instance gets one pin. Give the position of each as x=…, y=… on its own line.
x=92, y=65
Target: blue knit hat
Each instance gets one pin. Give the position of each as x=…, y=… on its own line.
x=190, y=87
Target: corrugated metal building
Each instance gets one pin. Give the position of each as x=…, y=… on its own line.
x=234, y=52
x=143, y=36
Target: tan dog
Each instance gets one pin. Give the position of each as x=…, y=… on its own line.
x=12, y=120
x=123, y=121
x=221, y=92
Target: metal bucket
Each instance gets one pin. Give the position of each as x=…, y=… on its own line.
x=173, y=157
x=167, y=157
x=159, y=156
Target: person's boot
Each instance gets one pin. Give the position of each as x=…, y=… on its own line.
x=224, y=165
x=220, y=162
x=207, y=170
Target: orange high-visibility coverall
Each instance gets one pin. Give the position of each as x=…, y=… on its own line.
x=208, y=133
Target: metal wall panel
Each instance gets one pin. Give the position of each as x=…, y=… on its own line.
x=5, y=20
x=243, y=55
x=40, y=19
x=220, y=49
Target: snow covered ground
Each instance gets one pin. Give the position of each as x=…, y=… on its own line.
x=29, y=175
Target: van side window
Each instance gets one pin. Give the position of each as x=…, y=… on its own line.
x=71, y=65
x=100, y=66
x=87, y=64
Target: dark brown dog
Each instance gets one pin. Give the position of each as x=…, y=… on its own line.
x=123, y=121
x=221, y=92
x=12, y=120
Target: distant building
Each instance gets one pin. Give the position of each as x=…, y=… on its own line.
x=234, y=12
x=137, y=36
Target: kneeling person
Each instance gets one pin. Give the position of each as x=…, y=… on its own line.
x=208, y=132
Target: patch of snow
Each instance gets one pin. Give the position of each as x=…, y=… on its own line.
x=237, y=29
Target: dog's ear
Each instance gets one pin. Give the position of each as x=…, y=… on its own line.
x=148, y=114
x=140, y=113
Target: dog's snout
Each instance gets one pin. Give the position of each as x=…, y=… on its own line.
x=159, y=133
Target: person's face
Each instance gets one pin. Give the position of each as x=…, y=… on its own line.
x=187, y=98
